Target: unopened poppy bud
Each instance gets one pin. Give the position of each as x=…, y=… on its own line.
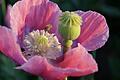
x=69, y=26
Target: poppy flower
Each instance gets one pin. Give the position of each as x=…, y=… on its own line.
x=41, y=50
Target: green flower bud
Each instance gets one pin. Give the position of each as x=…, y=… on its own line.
x=69, y=27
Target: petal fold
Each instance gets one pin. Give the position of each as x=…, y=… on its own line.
x=94, y=30
x=77, y=62
x=39, y=66
x=80, y=60
x=9, y=46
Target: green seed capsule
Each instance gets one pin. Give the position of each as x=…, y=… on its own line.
x=69, y=26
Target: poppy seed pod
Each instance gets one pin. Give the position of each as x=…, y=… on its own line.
x=69, y=26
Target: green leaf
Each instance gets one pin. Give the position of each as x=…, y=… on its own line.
x=8, y=71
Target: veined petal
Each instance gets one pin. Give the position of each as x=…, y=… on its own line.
x=77, y=62
x=94, y=30
x=9, y=46
x=42, y=15
x=22, y=8
x=27, y=15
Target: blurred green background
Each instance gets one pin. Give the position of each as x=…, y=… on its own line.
x=108, y=57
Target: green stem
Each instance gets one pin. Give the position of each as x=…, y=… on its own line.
x=67, y=45
x=3, y=7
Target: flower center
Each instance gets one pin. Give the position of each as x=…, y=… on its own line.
x=41, y=43
x=42, y=40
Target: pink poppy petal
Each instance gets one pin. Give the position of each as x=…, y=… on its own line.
x=7, y=17
x=39, y=66
x=77, y=62
x=33, y=14
x=42, y=15
x=78, y=58
x=22, y=9
x=9, y=46
x=94, y=30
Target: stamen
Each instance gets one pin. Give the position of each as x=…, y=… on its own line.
x=48, y=27
x=42, y=43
